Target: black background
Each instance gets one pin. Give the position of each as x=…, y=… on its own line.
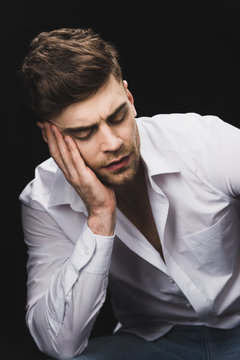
x=175, y=58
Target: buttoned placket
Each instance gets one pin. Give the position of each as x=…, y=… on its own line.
x=184, y=300
x=160, y=206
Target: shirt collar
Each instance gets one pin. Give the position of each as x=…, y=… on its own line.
x=155, y=162
x=63, y=193
x=152, y=155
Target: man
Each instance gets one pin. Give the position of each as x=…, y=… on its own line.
x=148, y=206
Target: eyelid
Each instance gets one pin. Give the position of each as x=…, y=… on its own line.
x=85, y=137
x=121, y=119
x=93, y=129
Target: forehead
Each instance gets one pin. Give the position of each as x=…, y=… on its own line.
x=94, y=109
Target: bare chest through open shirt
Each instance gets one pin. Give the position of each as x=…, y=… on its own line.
x=193, y=179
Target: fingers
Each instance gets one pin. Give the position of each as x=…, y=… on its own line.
x=61, y=153
x=75, y=153
x=52, y=136
x=65, y=153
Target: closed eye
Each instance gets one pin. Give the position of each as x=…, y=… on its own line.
x=119, y=117
x=84, y=134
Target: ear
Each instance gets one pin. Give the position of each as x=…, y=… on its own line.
x=128, y=93
x=129, y=96
x=41, y=127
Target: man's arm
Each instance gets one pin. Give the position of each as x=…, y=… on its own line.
x=222, y=157
x=67, y=283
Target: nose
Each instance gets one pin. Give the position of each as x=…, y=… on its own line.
x=109, y=139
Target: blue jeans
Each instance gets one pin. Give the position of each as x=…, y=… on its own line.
x=180, y=343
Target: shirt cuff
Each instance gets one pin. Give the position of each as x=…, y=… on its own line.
x=92, y=253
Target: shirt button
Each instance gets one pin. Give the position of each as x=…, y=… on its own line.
x=171, y=281
x=187, y=304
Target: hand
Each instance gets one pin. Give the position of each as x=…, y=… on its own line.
x=99, y=199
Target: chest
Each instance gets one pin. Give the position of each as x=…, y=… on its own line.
x=139, y=213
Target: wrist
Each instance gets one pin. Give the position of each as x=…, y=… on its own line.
x=102, y=223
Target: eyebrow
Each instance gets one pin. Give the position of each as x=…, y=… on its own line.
x=73, y=130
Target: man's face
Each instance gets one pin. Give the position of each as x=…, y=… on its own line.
x=105, y=131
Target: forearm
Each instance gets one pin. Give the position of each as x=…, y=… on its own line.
x=61, y=320
x=64, y=337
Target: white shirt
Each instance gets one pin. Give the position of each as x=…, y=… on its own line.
x=193, y=178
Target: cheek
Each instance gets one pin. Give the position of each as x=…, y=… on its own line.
x=134, y=134
x=129, y=132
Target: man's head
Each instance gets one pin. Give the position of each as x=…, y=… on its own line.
x=66, y=66
x=74, y=81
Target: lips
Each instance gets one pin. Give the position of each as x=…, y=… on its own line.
x=117, y=164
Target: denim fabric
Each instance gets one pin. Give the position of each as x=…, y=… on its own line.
x=180, y=343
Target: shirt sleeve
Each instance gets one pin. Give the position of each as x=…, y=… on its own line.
x=66, y=283
x=222, y=157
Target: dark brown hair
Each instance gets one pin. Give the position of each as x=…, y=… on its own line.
x=66, y=66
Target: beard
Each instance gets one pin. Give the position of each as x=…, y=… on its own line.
x=125, y=175
x=121, y=176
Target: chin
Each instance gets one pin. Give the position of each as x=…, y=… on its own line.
x=119, y=178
